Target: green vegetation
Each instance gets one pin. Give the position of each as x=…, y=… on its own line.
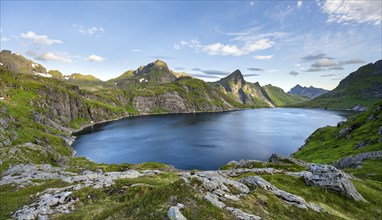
x=329, y=144
x=362, y=87
x=13, y=198
x=280, y=98
x=150, y=200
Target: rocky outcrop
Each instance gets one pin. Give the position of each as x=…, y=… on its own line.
x=51, y=201
x=58, y=200
x=354, y=161
x=174, y=212
x=327, y=176
x=257, y=181
x=240, y=215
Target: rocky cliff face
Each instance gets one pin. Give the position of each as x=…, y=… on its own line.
x=310, y=92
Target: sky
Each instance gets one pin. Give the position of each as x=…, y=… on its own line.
x=283, y=43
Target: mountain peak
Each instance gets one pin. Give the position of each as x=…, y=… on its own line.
x=160, y=63
x=235, y=77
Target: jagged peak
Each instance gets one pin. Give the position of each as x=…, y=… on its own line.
x=235, y=76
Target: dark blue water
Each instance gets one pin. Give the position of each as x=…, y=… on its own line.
x=203, y=141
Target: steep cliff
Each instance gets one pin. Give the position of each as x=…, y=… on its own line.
x=253, y=94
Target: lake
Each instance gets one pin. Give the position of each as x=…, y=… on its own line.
x=203, y=141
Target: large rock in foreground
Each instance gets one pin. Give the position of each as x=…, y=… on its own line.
x=327, y=176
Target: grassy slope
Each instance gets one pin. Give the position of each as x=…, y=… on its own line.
x=280, y=98
x=360, y=87
x=325, y=145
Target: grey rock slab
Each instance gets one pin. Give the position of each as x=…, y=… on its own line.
x=240, y=215
x=289, y=198
x=329, y=177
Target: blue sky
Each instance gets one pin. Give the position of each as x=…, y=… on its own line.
x=282, y=43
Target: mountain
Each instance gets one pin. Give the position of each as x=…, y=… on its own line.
x=253, y=94
x=280, y=98
x=153, y=73
x=360, y=88
x=18, y=64
x=310, y=92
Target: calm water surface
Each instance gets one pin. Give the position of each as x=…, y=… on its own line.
x=203, y=141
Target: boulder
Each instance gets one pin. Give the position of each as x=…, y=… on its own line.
x=174, y=212
x=329, y=177
x=353, y=161
x=257, y=181
x=240, y=215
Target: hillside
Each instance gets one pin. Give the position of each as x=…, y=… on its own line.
x=153, y=73
x=253, y=94
x=362, y=87
x=309, y=92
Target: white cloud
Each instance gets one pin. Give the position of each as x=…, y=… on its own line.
x=342, y=11
x=299, y=4
x=227, y=49
x=95, y=58
x=50, y=56
x=136, y=50
x=325, y=62
x=263, y=57
x=90, y=31
x=40, y=39
x=4, y=39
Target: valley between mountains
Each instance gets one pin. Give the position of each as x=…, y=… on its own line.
x=336, y=174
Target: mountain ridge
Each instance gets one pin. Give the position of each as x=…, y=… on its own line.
x=310, y=92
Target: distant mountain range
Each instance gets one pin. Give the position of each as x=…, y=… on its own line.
x=309, y=92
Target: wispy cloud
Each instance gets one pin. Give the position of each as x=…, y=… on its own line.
x=40, y=39
x=90, y=31
x=196, y=69
x=226, y=49
x=328, y=75
x=342, y=11
x=325, y=64
x=263, y=57
x=215, y=72
x=315, y=56
x=4, y=39
x=180, y=68
x=293, y=73
x=251, y=74
x=205, y=76
x=95, y=58
x=50, y=56
x=255, y=69
x=136, y=50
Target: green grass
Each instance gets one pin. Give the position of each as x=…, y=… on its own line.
x=123, y=201
x=333, y=202
x=13, y=198
x=326, y=146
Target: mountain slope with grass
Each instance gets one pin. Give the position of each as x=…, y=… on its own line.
x=362, y=87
